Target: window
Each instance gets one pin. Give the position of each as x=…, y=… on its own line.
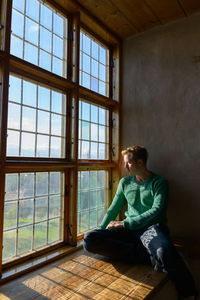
x=36, y=120
x=33, y=212
x=94, y=69
x=92, y=199
x=39, y=35
x=93, y=131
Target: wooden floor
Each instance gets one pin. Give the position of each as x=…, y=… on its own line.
x=81, y=276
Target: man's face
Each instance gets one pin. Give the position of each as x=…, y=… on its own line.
x=129, y=164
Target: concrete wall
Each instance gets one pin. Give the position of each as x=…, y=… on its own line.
x=161, y=110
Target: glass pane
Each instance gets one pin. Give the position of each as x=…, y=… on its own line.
x=85, y=130
x=16, y=47
x=40, y=234
x=84, y=200
x=101, y=179
x=9, y=244
x=58, y=67
x=28, y=119
x=85, y=179
x=45, y=60
x=102, y=54
x=31, y=53
x=102, y=134
x=102, y=88
x=84, y=221
x=102, y=116
x=94, y=113
x=12, y=143
x=94, y=70
x=32, y=9
x=26, y=212
x=93, y=218
x=94, y=50
x=94, y=132
x=100, y=198
x=42, y=146
x=93, y=179
x=102, y=72
x=86, y=44
x=43, y=122
x=86, y=80
x=43, y=98
x=26, y=185
x=102, y=151
x=10, y=215
x=18, y=4
x=25, y=239
x=31, y=31
x=58, y=46
x=11, y=187
x=93, y=199
x=17, y=23
x=46, y=17
x=54, y=230
x=94, y=151
x=55, y=184
x=54, y=206
x=58, y=24
x=45, y=39
x=41, y=183
x=29, y=93
x=100, y=215
x=15, y=89
x=57, y=102
x=86, y=63
x=28, y=144
x=85, y=111
x=94, y=84
x=56, y=145
x=56, y=125
x=41, y=209
x=14, y=112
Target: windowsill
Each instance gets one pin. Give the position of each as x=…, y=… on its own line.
x=32, y=264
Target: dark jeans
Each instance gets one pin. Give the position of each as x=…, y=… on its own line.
x=151, y=245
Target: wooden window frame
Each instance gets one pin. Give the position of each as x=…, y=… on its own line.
x=70, y=165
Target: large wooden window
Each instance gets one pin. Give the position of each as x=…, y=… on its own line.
x=59, y=128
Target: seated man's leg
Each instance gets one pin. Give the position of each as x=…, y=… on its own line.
x=159, y=245
x=118, y=243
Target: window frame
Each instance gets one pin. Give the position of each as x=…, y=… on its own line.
x=70, y=165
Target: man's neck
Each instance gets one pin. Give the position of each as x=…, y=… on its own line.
x=143, y=175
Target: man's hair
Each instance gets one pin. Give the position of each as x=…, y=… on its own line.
x=136, y=152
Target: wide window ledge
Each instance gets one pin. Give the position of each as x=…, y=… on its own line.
x=32, y=264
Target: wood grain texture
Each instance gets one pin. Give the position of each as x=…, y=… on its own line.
x=81, y=276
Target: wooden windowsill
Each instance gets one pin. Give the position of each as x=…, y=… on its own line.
x=32, y=264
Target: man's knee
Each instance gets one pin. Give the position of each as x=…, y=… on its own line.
x=90, y=239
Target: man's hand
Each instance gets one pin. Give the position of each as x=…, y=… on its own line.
x=115, y=224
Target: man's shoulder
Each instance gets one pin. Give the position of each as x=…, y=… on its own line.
x=126, y=179
x=158, y=180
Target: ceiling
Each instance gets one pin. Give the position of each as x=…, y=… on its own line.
x=129, y=17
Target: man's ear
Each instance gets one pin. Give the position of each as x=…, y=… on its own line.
x=140, y=163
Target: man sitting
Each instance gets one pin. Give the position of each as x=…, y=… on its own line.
x=143, y=236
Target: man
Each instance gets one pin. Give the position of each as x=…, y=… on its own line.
x=143, y=236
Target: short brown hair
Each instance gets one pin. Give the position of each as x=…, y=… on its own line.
x=137, y=152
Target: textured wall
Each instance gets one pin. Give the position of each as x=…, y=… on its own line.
x=161, y=110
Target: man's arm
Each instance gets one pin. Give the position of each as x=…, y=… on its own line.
x=114, y=209
x=151, y=216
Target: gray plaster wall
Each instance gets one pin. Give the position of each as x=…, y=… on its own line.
x=161, y=110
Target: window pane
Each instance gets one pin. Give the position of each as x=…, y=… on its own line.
x=31, y=53
x=102, y=134
x=28, y=144
x=91, y=200
x=18, y=4
x=17, y=23
x=45, y=39
x=85, y=111
x=22, y=119
x=31, y=31
x=26, y=212
x=94, y=113
x=40, y=234
x=85, y=130
x=32, y=9
x=58, y=67
x=94, y=151
x=58, y=25
x=16, y=47
x=58, y=46
x=42, y=146
x=31, y=213
x=94, y=132
x=46, y=17
x=41, y=209
x=45, y=60
x=94, y=68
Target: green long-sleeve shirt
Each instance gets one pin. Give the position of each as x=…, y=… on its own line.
x=147, y=202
